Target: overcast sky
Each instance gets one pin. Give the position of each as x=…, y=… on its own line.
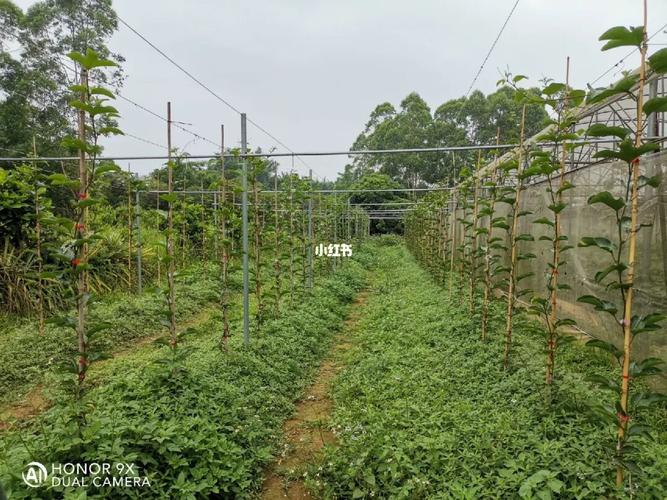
x=311, y=71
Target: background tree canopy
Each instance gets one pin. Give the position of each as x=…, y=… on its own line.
x=458, y=122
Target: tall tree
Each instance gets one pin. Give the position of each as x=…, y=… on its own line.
x=458, y=122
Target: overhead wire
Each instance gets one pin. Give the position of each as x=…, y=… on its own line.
x=208, y=89
x=493, y=46
x=622, y=60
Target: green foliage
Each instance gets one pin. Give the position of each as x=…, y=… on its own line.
x=212, y=430
x=621, y=262
x=29, y=358
x=423, y=409
x=458, y=122
x=620, y=36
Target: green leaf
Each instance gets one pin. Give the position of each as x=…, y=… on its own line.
x=602, y=381
x=545, y=221
x=558, y=207
x=600, y=130
x=553, y=88
x=110, y=130
x=635, y=430
x=90, y=60
x=653, y=182
x=566, y=185
x=601, y=243
x=658, y=61
x=620, y=36
x=608, y=199
x=63, y=180
x=599, y=304
x=565, y=322
x=600, y=275
x=647, y=323
x=102, y=91
x=605, y=346
x=87, y=202
x=655, y=105
x=623, y=86
x=169, y=197
x=107, y=167
x=627, y=151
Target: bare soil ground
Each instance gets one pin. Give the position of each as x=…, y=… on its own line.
x=306, y=433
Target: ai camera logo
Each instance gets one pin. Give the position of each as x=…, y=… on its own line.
x=35, y=474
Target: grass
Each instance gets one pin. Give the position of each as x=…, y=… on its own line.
x=424, y=409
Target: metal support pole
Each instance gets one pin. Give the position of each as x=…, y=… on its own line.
x=137, y=224
x=348, y=220
x=244, y=218
x=309, y=282
x=335, y=226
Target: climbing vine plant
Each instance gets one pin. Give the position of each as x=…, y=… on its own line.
x=621, y=251
x=548, y=166
x=95, y=119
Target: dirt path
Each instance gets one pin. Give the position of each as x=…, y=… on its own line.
x=307, y=431
x=35, y=402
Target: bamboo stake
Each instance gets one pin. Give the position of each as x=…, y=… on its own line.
x=38, y=243
x=157, y=208
x=473, y=243
x=487, y=250
x=632, y=252
x=513, y=255
x=82, y=254
x=453, y=245
x=129, y=229
x=553, y=316
x=203, y=221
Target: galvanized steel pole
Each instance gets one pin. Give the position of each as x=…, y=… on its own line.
x=309, y=282
x=137, y=224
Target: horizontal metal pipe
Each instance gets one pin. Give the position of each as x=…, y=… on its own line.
x=444, y=149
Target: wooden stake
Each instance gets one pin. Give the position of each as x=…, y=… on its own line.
x=452, y=255
x=38, y=242
x=487, y=251
x=157, y=208
x=473, y=243
x=129, y=229
x=632, y=255
x=82, y=254
x=511, y=294
x=553, y=316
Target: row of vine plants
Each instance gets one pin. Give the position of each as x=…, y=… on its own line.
x=470, y=238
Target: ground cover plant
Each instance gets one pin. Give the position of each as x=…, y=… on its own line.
x=26, y=357
x=445, y=420
x=212, y=429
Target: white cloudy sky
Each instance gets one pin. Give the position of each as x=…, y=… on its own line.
x=311, y=71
